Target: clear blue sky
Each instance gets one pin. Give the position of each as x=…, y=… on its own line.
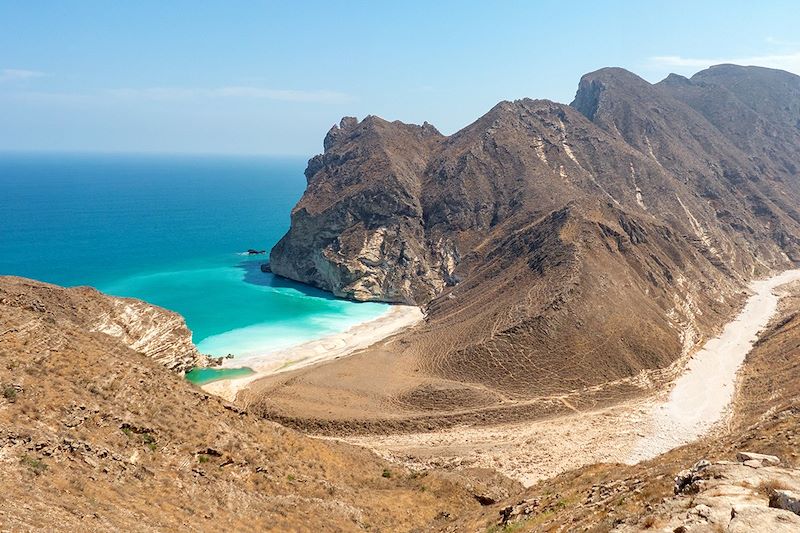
x=272, y=77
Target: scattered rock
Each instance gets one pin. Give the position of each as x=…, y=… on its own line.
x=523, y=508
x=690, y=481
x=211, y=452
x=743, y=457
x=786, y=500
x=702, y=510
x=252, y=251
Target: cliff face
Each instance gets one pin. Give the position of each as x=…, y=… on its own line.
x=157, y=333
x=153, y=331
x=357, y=231
x=557, y=247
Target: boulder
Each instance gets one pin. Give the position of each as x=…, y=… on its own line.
x=749, y=518
x=691, y=480
x=266, y=268
x=786, y=500
x=743, y=457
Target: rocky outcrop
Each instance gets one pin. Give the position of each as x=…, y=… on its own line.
x=153, y=331
x=728, y=496
x=757, y=460
x=358, y=230
x=785, y=499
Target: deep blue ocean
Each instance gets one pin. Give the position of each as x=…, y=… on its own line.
x=169, y=230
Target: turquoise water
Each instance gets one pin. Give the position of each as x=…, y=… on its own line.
x=170, y=230
x=201, y=376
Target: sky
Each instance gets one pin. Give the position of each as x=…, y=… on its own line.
x=266, y=77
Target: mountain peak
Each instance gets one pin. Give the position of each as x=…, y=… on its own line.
x=675, y=79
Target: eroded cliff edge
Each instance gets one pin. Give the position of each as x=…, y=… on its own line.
x=358, y=231
x=153, y=331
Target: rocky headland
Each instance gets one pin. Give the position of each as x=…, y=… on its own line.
x=153, y=331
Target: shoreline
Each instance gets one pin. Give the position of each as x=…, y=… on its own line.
x=333, y=346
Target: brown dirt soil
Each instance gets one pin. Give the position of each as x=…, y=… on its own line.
x=766, y=419
x=96, y=436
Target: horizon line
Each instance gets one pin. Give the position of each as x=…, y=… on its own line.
x=56, y=151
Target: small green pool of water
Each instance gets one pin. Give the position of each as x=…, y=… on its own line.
x=201, y=376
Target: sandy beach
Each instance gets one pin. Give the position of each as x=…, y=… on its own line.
x=358, y=337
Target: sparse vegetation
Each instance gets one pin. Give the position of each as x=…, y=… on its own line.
x=136, y=406
x=511, y=527
x=203, y=458
x=771, y=485
x=9, y=393
x=147, y=437
x=36, y=466
x=386, y=473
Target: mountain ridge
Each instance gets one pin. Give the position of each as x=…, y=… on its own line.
x=518, y=231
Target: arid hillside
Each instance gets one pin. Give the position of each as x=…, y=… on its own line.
x=562, y=253
x=725, y=496
x=97, y=436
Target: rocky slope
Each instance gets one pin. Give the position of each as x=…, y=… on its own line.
x=391, y=209
x=95, y=435
x=153, y=331
x=555, y=248
x=706, y=486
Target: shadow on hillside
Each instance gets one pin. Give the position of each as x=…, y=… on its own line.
x=254, y=276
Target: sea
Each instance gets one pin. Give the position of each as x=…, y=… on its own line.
x=172, y=230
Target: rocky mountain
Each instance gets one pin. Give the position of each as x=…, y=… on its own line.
x=555, y=248
x=392, y=209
